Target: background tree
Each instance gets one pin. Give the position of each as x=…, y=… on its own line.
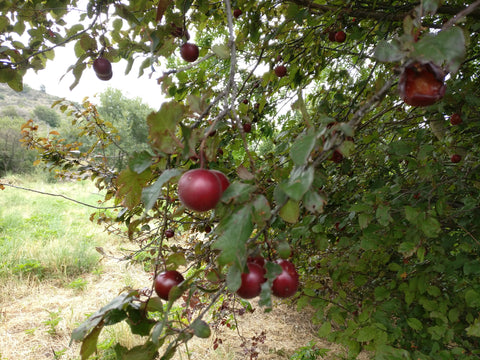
x=335, y=126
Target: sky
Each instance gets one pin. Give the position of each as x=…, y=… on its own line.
x=131, y=86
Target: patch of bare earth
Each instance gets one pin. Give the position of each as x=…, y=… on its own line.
x=36, y=320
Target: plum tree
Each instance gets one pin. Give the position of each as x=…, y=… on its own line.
x=348, y=167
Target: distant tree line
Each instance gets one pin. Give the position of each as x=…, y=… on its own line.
x=125, y=114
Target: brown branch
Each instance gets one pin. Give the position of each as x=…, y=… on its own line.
x=396, y=13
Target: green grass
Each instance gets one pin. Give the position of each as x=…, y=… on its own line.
x=48, y=237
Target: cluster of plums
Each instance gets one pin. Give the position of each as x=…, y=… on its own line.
x=201, y=189
x=283, y=286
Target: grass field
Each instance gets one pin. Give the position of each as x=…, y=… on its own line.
x=48, y=237
x=52, y=279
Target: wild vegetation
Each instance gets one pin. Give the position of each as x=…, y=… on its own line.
x=348, y=135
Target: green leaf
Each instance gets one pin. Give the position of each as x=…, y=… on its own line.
x=325, y=329
x=383, y=215
x=261, y=211
x=140, y=161
x=389, y=51
x=366, y=333
x=314, y=202
x=117, y=303
x=447, y=46
x=151, y=193
x=412, y=214
x=130, y=187
x=201, y=329
x=415, y=324
x=89, y=344
x=234, y=277
x=139, y=324
x=472, y=298
x=222, y=51
x=299, y=182
x=430, y=226
x=147, y=351
x=302, y=147
x=162, y=126
x=237, y=191
x=290, y=211
x=474, y=329
x=233, y=232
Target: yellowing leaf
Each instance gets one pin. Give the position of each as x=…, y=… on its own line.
x=130, y=185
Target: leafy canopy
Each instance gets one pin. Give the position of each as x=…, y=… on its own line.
x=338, y=174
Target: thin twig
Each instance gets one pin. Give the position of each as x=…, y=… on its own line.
x=59, y=195
x=468, y=10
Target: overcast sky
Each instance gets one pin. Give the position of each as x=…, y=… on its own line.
x=130, y=85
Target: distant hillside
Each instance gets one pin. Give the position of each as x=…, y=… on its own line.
x=23, y=103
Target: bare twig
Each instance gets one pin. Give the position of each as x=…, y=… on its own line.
x=59, y=195
x=458, y=17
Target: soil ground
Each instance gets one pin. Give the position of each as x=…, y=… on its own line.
x=36, y=320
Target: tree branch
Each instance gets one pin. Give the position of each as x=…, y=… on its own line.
x=58, y=195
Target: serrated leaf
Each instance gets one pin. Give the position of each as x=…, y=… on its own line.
x=162, y=126
x=298, y=183
x=233, y=232
x=301, y=148
x=151, y=193
x=474, y=329
x=155, y=304
x=222, y=51
x=201, y=329
x=290, y=211
x=130, y=186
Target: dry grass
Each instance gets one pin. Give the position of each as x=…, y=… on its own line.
x=27, y=333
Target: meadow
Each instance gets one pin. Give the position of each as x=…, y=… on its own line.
x=52, y=278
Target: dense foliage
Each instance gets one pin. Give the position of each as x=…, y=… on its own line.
x=376, y=202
